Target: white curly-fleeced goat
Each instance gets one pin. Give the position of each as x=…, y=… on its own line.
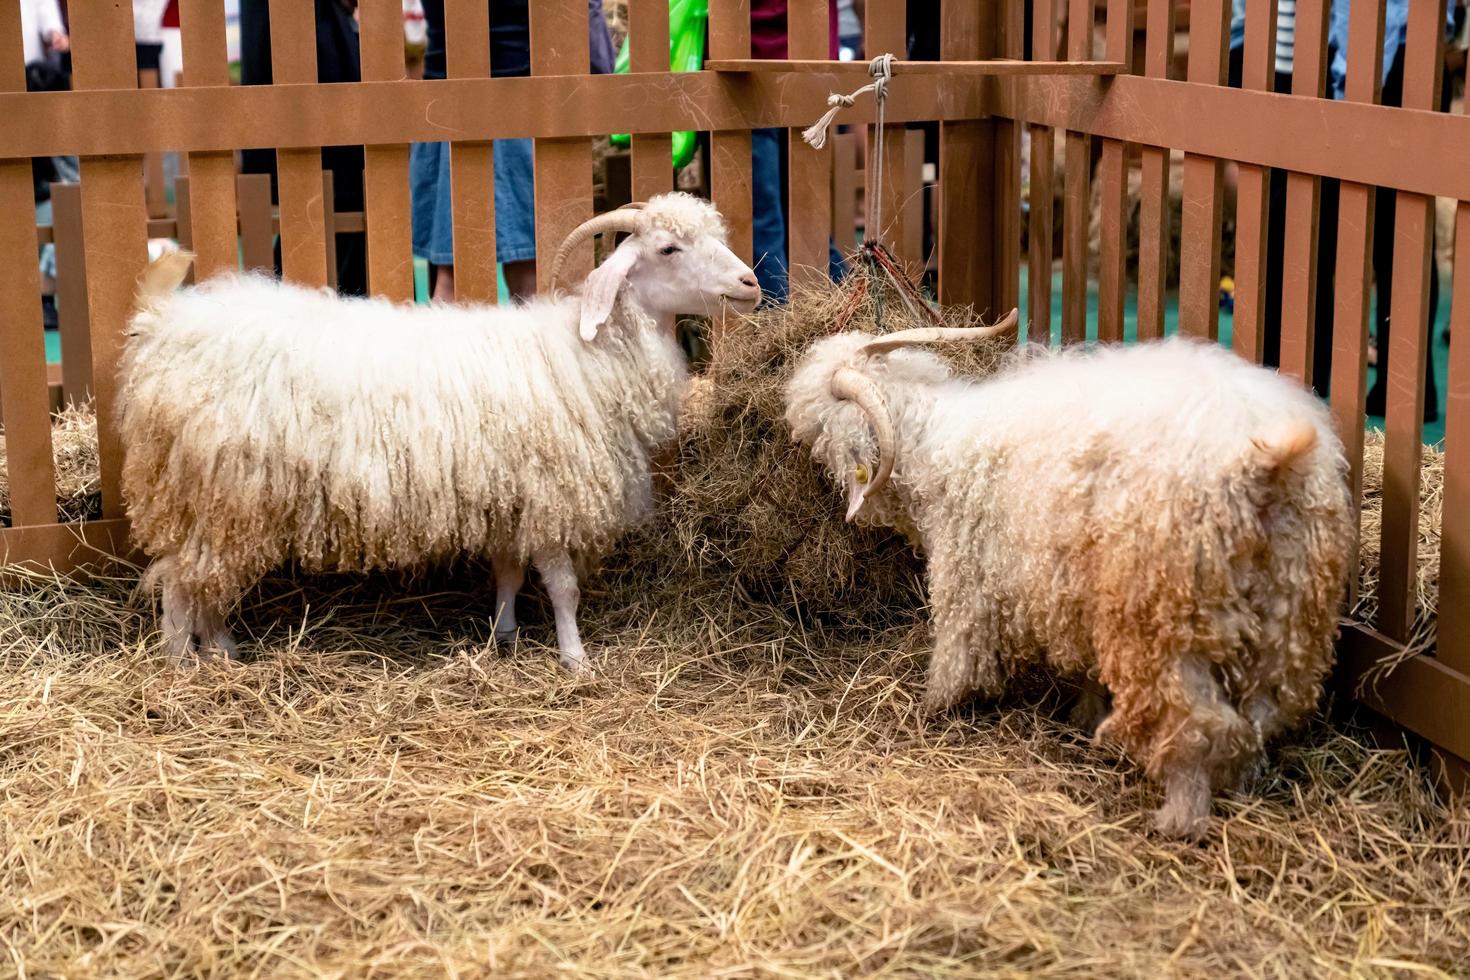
x=265, y=423
x=1165, y=518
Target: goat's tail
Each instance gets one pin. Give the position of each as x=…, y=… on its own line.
x=161, y=277
x=1275, y=450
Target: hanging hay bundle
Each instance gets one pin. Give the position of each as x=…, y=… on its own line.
x=749, y=509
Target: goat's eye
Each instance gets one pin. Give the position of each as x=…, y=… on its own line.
x=668, y=250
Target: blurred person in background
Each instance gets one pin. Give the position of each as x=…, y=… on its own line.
x=769, y=158
x=337, y=60
x=515, y=179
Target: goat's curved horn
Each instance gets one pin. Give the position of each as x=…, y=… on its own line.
x=852, y=385
x=932, y=335
x=612, y=221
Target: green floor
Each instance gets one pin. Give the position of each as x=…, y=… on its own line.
x=1432, y=433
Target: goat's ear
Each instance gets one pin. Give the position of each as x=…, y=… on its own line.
x=601, y=290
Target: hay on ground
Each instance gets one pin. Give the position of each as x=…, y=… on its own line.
x=378, y=794
x=78, y=475
x=740, y=787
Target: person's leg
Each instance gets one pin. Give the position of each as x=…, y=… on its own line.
x=768, y=222
x=515, y=216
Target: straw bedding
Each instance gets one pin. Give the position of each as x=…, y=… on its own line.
x=744, y=786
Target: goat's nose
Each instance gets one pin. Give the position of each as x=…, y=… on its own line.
x=748, y=280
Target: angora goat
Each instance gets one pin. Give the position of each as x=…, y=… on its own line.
x=265, y=423
x=1164, y=518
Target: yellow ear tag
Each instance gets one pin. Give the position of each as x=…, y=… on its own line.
x=861, y=473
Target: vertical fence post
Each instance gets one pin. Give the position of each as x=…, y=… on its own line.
x=211, y=220
x=967, y=222
x=885, y=30
x=1300, y=251
x=1258, y=73
x=1112, y=271
x=1043, y=148
x=23, y=390
x=1409, y=343
x=1199, y=248
x=471, y=162
x=1077, y=199
x=730, y=162
x=1153, y=194
x=116, y=221
x=648, y=51
x=809, y=190
x=386, y=210
x=1354, y=273
x=1454, y=562
x=1006, y=198
x=563, y=166
x=73, y=316
x=299, y=169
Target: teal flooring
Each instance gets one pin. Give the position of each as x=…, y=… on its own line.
x=1433, y=433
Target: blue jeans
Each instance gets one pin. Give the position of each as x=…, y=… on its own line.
x=768, y=152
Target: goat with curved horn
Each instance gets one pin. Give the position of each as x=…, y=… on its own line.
x=625, y=219
x=849, y=384
x=935, y=335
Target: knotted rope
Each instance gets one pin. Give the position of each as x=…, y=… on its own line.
x=881, y=263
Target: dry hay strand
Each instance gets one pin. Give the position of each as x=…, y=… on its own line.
x=750, y=510
x=377, y=793
x=1431, y=518
x=78, y=476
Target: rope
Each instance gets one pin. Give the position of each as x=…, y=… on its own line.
x=880, y=261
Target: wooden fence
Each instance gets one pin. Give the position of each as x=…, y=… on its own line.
x=988, y=90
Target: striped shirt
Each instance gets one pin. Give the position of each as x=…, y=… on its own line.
x=1285, y=35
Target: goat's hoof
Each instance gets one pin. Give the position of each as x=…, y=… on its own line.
x=1181, y=824
x=575, y=665
x=507, y=636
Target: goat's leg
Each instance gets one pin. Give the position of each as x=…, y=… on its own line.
x=191, y=628
x=510, y=575
x=178, y=623
x=560, y=577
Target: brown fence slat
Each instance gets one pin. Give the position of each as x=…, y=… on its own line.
x=729, y=37
x=211, y=225
x=1112, y=272
x=1258, y=72
x=299, y=170
x=24, y=400
x=885, y=30
x=1006, y=204
x=563, y=166
x=913, y=211
x=1199, y=246
x=809, y=193
x=386, y=207
x=844, y=190
x=73, y=314
x=1303, y=205
x=257, y=223
x=1077, y=190
x=648, y=51
x=1409, y=344
x=1454, y=568
x=1153, y=199
x=1354, y=272
x=116, y=222
x=1043, y=148
x=471, y=164
x=968, y=224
